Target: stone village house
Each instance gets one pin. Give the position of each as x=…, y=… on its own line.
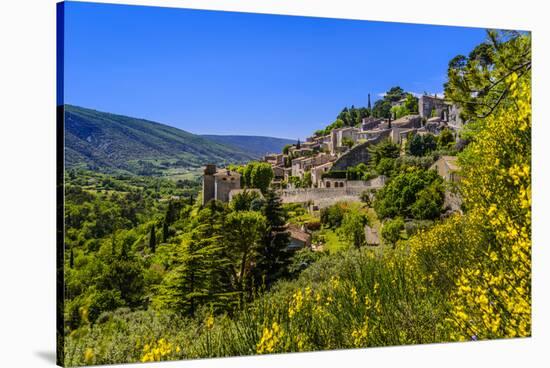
x=447, y=168
x=217, y=183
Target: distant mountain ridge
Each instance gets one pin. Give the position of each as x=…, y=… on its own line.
x=257, y=145
x=108, y=142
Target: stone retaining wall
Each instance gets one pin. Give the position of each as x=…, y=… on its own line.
x=323, y=197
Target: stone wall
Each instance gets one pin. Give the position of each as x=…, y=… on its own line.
x=375, y=183
x=323, y=197
x=428, y=103
x=320, y=195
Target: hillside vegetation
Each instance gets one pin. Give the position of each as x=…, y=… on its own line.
x=108, y=142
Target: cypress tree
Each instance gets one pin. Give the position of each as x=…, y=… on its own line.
x=165, y=231
x=71, y=259
x=170, y=213
x=368, y=105
x=152, y=239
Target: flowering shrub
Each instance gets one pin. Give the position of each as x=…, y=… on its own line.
x=270, y=340
x=360, y=335
x=493, y=295
x=159, y=350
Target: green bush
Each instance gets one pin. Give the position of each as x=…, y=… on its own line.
x=332, y=216
x=417, y=193
x=391, y=230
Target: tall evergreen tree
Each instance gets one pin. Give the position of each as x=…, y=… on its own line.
x=204, y=271
x=170, y=213
x=368, y=104
x=165, y=231
x=152, y=239
x=185, y=287
x=274, y=257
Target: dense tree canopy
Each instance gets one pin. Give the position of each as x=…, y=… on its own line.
x=382, y=107
x=348, y=117
x=421, y=145
x=384, y=149
x=256, y=175
x=417, y=193
x=128, y=246
x=353, y=115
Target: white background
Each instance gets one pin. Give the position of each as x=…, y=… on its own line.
x=27, y=180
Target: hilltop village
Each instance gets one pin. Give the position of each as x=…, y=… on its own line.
x=335, y=165
x=323, y=160
x=318, y=170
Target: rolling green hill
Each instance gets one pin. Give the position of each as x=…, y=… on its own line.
x=256, y=145
x=107, y=142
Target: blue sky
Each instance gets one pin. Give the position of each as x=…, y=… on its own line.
x=238, y=73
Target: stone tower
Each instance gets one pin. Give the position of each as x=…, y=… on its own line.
x=208, y=183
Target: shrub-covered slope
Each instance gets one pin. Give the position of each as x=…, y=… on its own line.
x=107, y=142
